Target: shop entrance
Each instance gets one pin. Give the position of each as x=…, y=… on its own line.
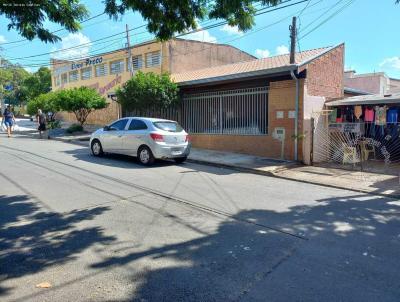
x=358, y=134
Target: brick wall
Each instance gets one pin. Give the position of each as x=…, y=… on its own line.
x=281, y=98
x=186, y=55
x=325, y=74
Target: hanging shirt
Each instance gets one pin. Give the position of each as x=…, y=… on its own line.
x=333, y=116
x=392, y=115
x=369, y=115
x=380, y=115
x=357, y=111
x=348, y=114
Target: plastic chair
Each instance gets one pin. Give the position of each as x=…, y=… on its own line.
x=366, y=150
x=350, y=155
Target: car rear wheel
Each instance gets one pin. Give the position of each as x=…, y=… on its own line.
x=145, y=156
x=97, y=149
x=180, y=160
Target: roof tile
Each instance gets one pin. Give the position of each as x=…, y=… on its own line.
x=248, y=66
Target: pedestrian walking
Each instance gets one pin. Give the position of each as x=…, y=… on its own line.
x=8, y=120
x=41, y=120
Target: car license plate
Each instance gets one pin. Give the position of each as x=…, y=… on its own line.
x=176, y=151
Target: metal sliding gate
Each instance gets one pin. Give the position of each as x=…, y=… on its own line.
x=236, y=112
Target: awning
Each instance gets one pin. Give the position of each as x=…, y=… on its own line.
x=367, y=100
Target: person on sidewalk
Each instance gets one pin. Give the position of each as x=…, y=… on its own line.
x=41, y=120
x=8, y=120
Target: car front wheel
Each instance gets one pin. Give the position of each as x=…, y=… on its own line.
x=97, y=149
x=145, y=156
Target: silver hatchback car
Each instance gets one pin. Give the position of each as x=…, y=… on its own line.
x=146, y=138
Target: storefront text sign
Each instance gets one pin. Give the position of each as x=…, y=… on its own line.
x=106, y=87
x=88, y=62
x=346, y=127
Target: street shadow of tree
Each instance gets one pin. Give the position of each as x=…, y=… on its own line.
x=351, y=253
x=32, y=240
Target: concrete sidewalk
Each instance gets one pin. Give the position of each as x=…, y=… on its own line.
x=379, y=184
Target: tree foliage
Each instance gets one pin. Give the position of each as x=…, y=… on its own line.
x=148, y=90
x=165, y=17
x=81, y=101
x=36, y=84
x=47, y=102
x=12, y=75
x=28, y=17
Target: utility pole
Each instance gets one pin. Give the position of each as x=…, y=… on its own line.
x=129, y=51
x=293, y=37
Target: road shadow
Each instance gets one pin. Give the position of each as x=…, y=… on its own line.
x=131, y=162
x=32, y=239
x=350, y=254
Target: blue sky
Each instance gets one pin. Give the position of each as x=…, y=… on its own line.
x=367, y=27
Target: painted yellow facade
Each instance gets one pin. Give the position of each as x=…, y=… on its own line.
x=105, y=72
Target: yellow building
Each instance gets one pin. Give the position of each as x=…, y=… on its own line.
x=105, y=72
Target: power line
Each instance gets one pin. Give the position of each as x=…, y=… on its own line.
x=179, y=35
x=58, y=30
x=193, y=31
x=327, y=19
x=180, y=54
x=330, y=8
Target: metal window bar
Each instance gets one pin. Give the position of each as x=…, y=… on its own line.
x=137, y=62
x=235, y=112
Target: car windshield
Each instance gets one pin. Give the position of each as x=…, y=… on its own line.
x=168, y=126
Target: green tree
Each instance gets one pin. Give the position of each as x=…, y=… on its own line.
x=12, y=75
x=28, y=17
x=36, y=84
x=148, y=90
x=165, y=17
x=81, y=101
x=47, y=102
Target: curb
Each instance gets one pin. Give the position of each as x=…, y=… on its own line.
x=272, y=174
x=250, y=171
x=70, y=141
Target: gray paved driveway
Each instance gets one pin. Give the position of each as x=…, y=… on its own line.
x=107, y=229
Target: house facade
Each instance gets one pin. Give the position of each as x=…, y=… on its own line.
x=105, y=72
x=262, y=107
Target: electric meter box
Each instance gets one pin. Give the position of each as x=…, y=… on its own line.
x=279, y=133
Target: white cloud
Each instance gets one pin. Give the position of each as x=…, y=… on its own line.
x=392, y=63
x=69, y=41
x=282, y=50
x=202, y=36
x=2, y=39
x=29, y=69
x=231, y=30
x=262, y=53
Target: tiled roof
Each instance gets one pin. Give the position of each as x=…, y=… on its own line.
x=270, y=63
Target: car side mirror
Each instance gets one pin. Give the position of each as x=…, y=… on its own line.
x=106, y=128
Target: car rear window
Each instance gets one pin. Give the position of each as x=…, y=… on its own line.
x=168, y=126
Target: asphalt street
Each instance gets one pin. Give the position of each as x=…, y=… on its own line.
x=108, y=229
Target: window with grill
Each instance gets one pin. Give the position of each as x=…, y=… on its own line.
x=73, y=76
x=86, y=73
x=236, y=112
x=64, y=78
x=101, y=70
x=57, y=80
x=153, y=59
x=117, y=67
x=137, y=62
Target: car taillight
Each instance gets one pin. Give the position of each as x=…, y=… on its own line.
x=187, y=138
x=157, y=137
